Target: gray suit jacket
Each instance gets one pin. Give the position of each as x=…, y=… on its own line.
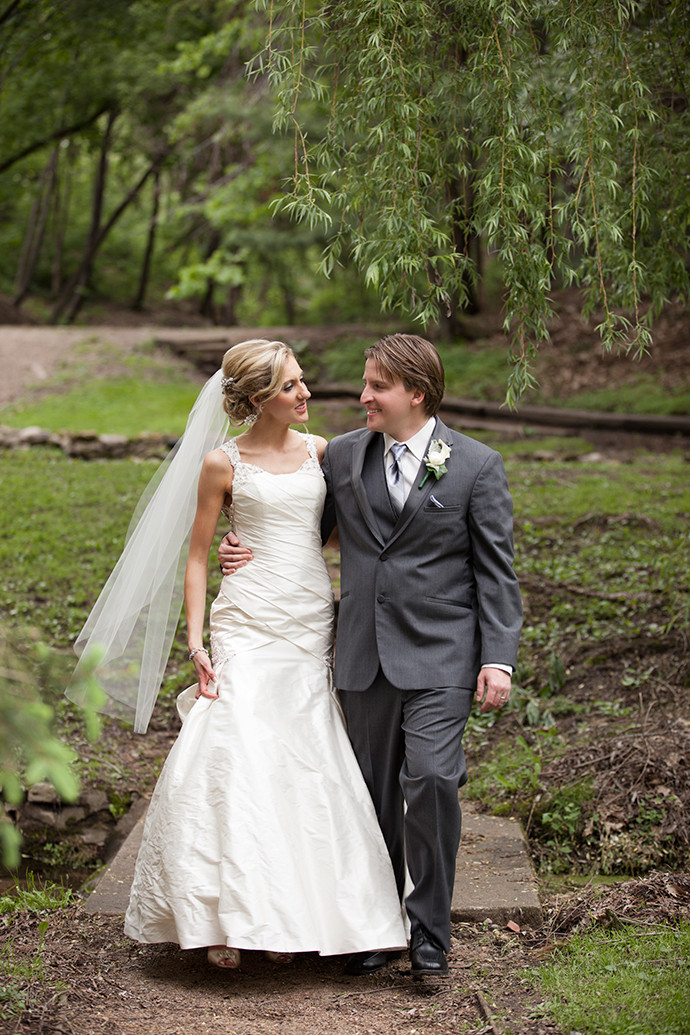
x=430, y=595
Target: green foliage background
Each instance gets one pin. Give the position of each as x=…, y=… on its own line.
x=428, y=158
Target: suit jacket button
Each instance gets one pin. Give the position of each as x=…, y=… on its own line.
x=380, y=598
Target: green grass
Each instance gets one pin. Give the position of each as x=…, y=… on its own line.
x=104, y=390
x=63, y=533
x=69, y=518
x=149, y=394
x=35, y=896
x=621, y=982
x=535, y=445
x=602, y=552
x=480, y=371
x=598, y=526
x=619, y=532
x=343, y=361
x=616, y=532
x=654, y=487
x=117, y=406
x=475, y=371
x=24, y=982
x=66, y=522
x=643, y=396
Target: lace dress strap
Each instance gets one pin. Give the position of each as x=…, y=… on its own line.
x=311, y=446
x=232, y=452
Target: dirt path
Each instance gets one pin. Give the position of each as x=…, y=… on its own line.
x=31, y=356
x=114, y=985
x=111, y=985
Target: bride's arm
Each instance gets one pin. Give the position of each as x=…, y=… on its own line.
x=215, y=483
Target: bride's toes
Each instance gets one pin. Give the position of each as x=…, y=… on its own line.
x=280, y=957
x=224, y=957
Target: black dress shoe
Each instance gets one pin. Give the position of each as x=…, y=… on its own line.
x=428, y=958
x=369, y=962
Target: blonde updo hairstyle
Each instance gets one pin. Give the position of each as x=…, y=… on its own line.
x=253, y=374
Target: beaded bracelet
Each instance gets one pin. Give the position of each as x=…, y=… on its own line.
x=196, y=651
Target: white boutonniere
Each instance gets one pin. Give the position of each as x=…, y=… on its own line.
x=435, y=460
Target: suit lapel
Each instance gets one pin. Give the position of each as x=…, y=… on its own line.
x=358, y=457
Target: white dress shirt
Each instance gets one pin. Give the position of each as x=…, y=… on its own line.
x=411, y=459
x=409, y=469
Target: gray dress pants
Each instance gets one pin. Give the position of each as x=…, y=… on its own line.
x=409, y=747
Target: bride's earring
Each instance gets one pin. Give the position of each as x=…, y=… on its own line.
x=251, y=418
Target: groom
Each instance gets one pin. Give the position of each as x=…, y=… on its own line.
x=429, y=618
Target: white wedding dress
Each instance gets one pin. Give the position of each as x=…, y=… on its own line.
x=261, y=833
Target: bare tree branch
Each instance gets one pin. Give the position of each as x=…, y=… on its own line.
x=58, y=134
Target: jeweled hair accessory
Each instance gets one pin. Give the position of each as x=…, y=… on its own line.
x=226, y=382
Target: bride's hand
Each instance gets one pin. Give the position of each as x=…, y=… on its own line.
x=205, y=675
x=232, y=555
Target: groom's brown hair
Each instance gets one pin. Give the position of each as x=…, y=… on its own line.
x=415, y=362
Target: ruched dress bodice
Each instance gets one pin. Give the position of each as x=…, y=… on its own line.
x=285, y=593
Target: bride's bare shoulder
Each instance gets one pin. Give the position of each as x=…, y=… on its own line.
x=217, y=464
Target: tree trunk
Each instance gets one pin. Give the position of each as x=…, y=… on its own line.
x=101, y=182
x=138, y=303
x=462, y=194
x=77, y=298
x=229, y=310
x=38, y=219
x=207, y=307
x=73, y=296
x=60, y=222
x=289, y=302
x=9, y=11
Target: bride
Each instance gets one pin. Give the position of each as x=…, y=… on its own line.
x=260, y=834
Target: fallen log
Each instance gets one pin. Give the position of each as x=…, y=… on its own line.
x=645, y=423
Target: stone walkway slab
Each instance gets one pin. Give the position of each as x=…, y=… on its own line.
x=110, y=893
x=494, y=879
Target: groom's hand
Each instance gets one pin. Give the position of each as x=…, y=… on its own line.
x=493, y=688
x=231, y=555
